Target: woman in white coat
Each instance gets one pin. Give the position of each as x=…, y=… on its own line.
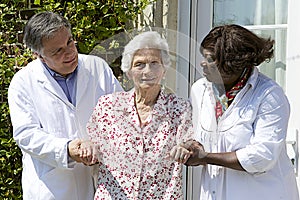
x=240, y=118
x=50, y=101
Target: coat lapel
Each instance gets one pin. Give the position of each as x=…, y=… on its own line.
x=48, y=82
x=82, y=81
x=207, y=110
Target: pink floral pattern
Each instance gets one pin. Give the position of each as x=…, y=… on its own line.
x=133, y=161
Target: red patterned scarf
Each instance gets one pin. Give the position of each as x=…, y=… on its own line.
x=223, y=102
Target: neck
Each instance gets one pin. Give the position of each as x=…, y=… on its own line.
x=244, y=74
x=147, y=97
x=229, y=86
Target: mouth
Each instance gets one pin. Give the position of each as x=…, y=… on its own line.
x=206, y=74
x=71, y=60
x=147, y=79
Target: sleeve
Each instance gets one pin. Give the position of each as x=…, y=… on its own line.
x=92, y=127
x=28, y=132
x=185, y=128
x=270, y=128
x=97, y=126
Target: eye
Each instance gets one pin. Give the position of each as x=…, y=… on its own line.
x=155, y=64
x=56, y=52
x=70, y=41
x=139, y=65
x=210, y=60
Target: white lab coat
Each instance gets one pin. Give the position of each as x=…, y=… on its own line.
x=255, y=127
x=44, y=121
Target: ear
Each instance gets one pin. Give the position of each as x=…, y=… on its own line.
x=164, y=72
x=40, y=57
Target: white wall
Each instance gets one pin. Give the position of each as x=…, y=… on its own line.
x=293, y=69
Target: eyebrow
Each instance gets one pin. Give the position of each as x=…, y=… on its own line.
x=142, y=60
x=53, y=51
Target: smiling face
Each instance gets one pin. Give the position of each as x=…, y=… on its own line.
x=60, y=53
x=147, y=69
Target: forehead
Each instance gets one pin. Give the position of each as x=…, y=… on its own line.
x=57, y=39
x=144, y=54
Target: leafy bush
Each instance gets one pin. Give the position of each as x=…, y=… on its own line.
x=92, y=21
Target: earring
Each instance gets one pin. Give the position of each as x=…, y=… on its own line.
x=163, y=83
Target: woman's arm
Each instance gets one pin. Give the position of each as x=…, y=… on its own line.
x=192, y=153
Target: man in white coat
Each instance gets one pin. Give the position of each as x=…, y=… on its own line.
x=50, y=101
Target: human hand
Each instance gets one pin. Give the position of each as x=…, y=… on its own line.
x=73, y=149
x=83, y=151
x=179, y=154
x=197, y=153
x=88, y=153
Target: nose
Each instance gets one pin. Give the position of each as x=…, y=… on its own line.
x=203, y=63
x=205, y=69
x=69, y=52
x=69, y=49
x=147, y=68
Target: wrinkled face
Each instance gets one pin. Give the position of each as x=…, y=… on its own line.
x=212, y=73
x=146, y=69
x=60, y=53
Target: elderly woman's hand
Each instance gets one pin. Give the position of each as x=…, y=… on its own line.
x=83, y=151
x=88, y=153
x=179, y=153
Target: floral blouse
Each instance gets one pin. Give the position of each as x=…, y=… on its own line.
x=133, y=162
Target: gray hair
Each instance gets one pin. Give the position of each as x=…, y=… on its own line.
x=146, y=40
x=42, y=25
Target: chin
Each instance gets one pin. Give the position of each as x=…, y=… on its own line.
x=73, y=65
x=208, y=79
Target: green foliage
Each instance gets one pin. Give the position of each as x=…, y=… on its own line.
x=92, y=21
x=96, y=20
x=10, y=154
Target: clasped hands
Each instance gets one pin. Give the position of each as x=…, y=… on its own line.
x=83, y=151
x=190, y=153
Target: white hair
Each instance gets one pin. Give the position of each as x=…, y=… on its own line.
x=145, y=40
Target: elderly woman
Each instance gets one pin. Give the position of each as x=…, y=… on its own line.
x=135, y=131
x=240, y=117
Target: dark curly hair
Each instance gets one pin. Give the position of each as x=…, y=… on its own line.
x=234, y=48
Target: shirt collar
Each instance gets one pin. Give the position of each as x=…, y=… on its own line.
x=56, y=75
x=253, y=77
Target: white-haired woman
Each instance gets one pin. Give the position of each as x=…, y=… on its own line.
x=135, y=131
